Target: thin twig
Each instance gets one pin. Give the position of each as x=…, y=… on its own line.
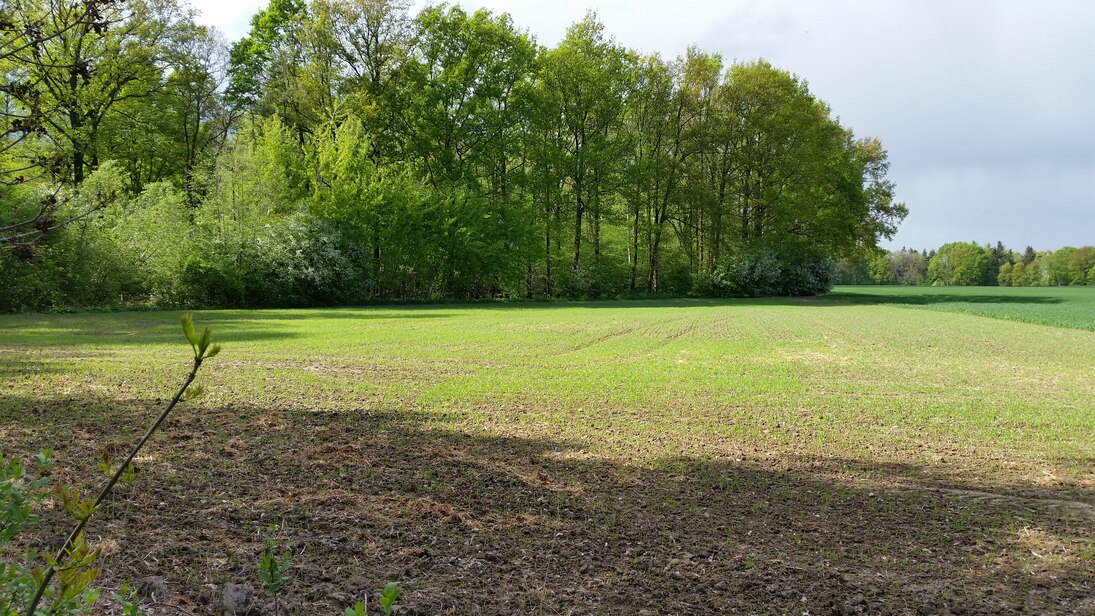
x=72, y=537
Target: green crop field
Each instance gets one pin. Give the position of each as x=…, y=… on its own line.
x=876, y=450
x=1061, y=306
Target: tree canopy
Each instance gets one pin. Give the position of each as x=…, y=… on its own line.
x=346, y=150
x=970, y=264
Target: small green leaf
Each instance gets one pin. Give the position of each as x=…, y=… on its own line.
x=388, y=597
x=188, y=329
x=192, y=392
x=206, y=339
x=43, y=460
x=213, y=351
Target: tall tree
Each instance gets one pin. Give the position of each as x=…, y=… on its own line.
x=650, y=177
x=584, y=83
x=461, y=121
x=86, y=66
x=179, y=127
x=372, y=41
x=958, y=263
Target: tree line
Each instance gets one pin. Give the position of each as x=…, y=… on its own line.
x=347, y=150
x=970, y=264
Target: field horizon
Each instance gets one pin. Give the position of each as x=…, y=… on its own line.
x=873, y=450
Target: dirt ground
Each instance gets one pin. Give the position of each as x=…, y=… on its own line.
x=470, y=523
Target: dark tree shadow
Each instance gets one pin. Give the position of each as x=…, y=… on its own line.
x=17, y=366
x=144, y=328
x=237, y=325
x=471, y=523
x=928, y=299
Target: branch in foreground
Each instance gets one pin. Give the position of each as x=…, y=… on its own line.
x=63, y=560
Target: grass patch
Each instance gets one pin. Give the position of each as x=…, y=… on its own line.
x=844, y=453
x=1072, y=307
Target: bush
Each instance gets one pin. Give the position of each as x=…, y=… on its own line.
x=77, y=265
x=765, y=272
x=807, y=275
x=154, y=232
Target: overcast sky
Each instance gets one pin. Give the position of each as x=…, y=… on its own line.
x=987, y=108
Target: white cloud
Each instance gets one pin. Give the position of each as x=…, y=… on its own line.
x=232, y=17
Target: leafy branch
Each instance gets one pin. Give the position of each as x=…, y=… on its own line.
x=74, y=554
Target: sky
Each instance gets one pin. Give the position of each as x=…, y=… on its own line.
x=987, y=108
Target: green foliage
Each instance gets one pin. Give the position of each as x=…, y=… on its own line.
x=254, y=57
x=958, y=263
x=126, y=599
x=154, y=233
x=967, y=264
x=388, y=597
x=68, y=83
x=852, y=271
x=81, y=265
x=1019, y=277
x=465, y=81
x=1078, y=265
x=345, y=152
x=273, y=567
x=768, y=272
x=879, y=269
x=909, y=267
x=202, y=343
x=20, y=493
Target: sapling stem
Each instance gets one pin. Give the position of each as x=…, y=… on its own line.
x=200, y=346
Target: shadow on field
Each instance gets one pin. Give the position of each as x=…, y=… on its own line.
x=838, y=298
x=386, y=311
x=100, y=334
x=927, y=299
x=143, y=328
x=14, y=366
x=488, y=524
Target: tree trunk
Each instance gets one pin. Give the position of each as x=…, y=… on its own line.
x=528, y=281
x=547, y=249
x=652, y=275
x=376, y=258
x=577, y=236
x=634, y=249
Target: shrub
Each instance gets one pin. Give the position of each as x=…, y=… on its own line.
x=763, y=271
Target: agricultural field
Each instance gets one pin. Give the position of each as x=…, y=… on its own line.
x=1061, y=306
x=875, y=450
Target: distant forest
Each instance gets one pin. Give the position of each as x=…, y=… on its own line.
x=347, y=151
x=968, y=264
